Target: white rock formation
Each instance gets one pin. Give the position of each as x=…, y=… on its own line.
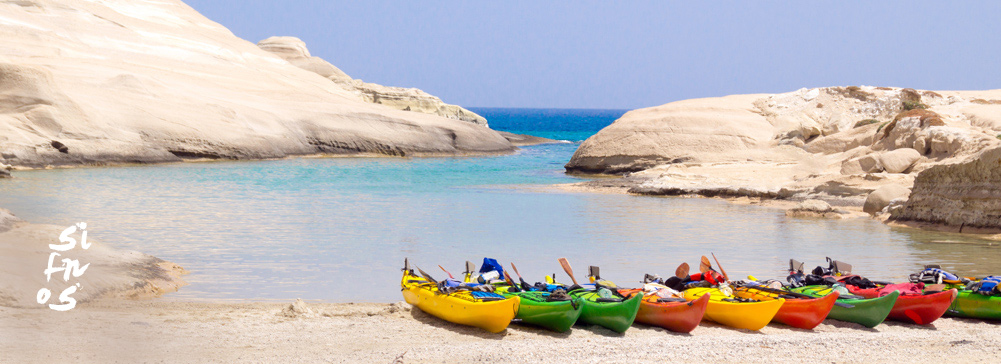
x=837, y=144
x=899, y=160
x=94, y=82
x=294, y=50
x=881, y=197
x=966, y=194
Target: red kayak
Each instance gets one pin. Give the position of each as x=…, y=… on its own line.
x=921, y=309
x=683, y=316
x=801, y=313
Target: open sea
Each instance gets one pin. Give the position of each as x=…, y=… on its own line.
x=338, y=229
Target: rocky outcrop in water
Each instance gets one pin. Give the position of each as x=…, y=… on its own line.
x=117, y=81
x=113, y=273
x=294, y=50
x=837, y=144
x=961, y=195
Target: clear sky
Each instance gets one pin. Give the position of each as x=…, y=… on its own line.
x=632, y=54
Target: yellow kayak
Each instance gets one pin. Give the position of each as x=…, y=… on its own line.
x=741, y=315
x=486, y=310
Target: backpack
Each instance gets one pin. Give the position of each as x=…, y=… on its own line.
x=858, y=281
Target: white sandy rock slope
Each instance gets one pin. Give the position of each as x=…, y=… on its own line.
x=294, y=50
x=836, y=144
x=93, y=82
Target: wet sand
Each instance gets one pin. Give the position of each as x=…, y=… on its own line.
x=162, y=331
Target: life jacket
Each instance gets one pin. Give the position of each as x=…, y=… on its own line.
x=990, y=285
x=710, y=276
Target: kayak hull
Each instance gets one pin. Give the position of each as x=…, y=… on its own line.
x=680, y=317
x=974, y=305
x=866, y=312
x=462, y=307
x=742, y=315
x=801, y=313
x=615, y=316
x=917, y=309
x=536, y=309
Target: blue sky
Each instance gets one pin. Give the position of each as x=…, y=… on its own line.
x=632, y=54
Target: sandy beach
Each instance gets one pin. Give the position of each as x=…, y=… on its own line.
x=163, y=331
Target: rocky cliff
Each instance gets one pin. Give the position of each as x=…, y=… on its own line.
x=295, y=52
x=961, y=195
x=119, y=81
x=837, y=144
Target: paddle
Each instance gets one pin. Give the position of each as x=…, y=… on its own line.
x=522, y=280
x=568, y=269
x=720, y=267
x=510, y=282
x=427, y=276
x=446, y=272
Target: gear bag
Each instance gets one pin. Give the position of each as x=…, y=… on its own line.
x=934, y=276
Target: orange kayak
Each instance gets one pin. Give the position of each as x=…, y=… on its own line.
x=801, y=313
x=683, y=316
x=921, y=309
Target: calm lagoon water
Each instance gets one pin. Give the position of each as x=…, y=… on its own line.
x=338, y=229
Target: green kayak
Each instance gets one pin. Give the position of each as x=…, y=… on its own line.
x=866, y=312
x=616, y=314
x=539, y=309
x=974, y=305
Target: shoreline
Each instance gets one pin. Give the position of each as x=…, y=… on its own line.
x=366, y=332
x=611, y=184
x=524, y=141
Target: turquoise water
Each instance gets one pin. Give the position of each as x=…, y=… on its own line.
x=337, y=229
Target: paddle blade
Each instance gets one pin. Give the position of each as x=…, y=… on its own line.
x=406, y=265
x=842, y=267
x=569, y=270
x=704, y=265
x=470, y=267
x=593, y=271
x=796, y=266
x=935, y=288
x=682, y=271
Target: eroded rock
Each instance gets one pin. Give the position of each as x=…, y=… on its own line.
x=815, y=208
x=294, y=50
x=900, y=160
x=966, y=194
x=881, y=197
